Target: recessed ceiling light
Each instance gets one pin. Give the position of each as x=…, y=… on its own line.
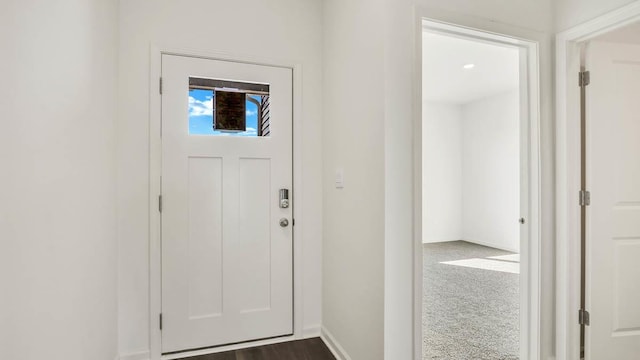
x=469, y=66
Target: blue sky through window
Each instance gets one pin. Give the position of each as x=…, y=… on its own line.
x=201, y=115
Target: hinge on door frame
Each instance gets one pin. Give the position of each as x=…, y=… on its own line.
x=160, y=321
x=160, y=86
x=585, y=198
x=160, y=203
x=584, y=78
x=583, y=317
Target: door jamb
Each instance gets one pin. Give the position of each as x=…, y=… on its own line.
x=155, y=172
x=568, y=171
x=486, y=30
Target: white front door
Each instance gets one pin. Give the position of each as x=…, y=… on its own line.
x=613, y=218
x=226, y=257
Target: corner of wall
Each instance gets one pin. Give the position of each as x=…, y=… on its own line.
x=311, y=331
x=336, y=349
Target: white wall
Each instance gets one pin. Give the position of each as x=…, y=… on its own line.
x=57, y=183
x=441, y=172
x=491, y=171
x=528, y=19
x=353, y=243
x=569, y=13
x=286, y=31
x=471, y=172
x=400, y=187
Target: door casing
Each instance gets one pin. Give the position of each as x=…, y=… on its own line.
x=155, y=163
x=568, y=157
x=530, y=277
x=475, y=29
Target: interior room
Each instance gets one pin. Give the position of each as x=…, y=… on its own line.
x=471, y=198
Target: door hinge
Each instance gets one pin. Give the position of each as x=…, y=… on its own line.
x=584, y=78
x=160, y=321
x=160, y=203
x=585, y=198
x=583, y=317
x=160, y=86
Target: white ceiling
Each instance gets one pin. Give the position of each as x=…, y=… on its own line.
x=444, y=79
x=627, y=35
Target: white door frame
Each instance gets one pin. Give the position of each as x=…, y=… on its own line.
x=568, y=172
x=485, y=30
x=155, y=166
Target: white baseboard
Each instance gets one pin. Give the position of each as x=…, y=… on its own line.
x=333, y=345
x=483, y=243
x=218, y=349
x=437, y=241
x=139, y=355
x=311, y=332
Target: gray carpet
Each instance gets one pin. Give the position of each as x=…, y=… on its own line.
x=468, y=313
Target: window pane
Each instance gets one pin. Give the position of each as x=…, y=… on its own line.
x=202, y=108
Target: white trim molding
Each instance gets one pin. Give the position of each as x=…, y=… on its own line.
x=138, y=355
x=334, y=346
x=529, y=43
x=219, y=349
x=568, y=171
x=311, y=332
x=307, y=333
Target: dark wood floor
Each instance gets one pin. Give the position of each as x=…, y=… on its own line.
x=308, y=349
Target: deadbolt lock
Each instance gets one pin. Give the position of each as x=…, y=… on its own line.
x=284, y=198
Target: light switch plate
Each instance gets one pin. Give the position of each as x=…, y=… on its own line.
x=339, y=178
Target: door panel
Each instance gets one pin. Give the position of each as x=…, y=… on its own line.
x=253, y=273
x=226, y=262
x=613, y=218
x=205, y=237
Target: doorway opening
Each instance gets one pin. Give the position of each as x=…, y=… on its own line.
x=608, y=167
x=479, y=195
x=597, y=236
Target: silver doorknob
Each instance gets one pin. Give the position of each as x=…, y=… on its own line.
x=284, y=222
